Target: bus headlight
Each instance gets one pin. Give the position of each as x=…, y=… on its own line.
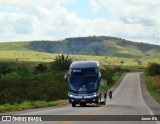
x=95, y=94
x=70, y=95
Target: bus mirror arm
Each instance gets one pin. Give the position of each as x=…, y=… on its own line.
x=66, y=77
x=99, y=77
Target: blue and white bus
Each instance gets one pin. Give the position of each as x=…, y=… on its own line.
x=84, y=80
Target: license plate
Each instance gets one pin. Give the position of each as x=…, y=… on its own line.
x=83, y=100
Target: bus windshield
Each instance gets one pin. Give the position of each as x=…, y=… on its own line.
x=83, y=80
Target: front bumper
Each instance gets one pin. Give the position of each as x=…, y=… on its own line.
x=83, y=98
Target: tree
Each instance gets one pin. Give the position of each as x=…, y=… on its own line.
x=109, y=74
x=153, y=69
x=62, y=62
x=122, y=62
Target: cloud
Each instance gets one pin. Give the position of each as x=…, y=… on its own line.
x=133, y=19
x=50, y=20
x=32, y=20
x=23, y=21
x=34, y=3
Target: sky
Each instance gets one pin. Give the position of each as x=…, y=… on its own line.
x=135, y=20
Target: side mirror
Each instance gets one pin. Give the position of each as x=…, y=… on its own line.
x=99, y=77
x=66, y=77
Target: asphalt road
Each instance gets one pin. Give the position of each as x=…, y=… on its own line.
x=127, y=100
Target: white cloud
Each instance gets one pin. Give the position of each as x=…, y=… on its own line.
x=33, y=3
x=132, y=19
x=44, y=22
x=41, y=19
x=32, y=19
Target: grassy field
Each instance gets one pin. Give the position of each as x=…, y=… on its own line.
x=24, y=55
x=153, y=86
x=18, y=46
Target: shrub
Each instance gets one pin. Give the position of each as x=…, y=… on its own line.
x=153, y=69
x=48, y=86
x=103, y=72
x=40, y=68
x=4, y=68
x=107, y=73
x=117, y=69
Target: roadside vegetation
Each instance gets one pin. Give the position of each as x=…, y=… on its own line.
x=33, y=85
x=153, y=80
x=110, y=76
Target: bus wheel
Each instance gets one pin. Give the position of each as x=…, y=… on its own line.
x=104, y=103
x=73, y=104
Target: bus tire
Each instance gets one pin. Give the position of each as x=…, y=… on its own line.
x=73, y=104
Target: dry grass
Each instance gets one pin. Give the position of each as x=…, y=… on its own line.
x=33, y=56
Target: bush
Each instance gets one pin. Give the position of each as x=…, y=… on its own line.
x=48, y=86
x=117, y=69
x=107, y=73
x=153, y=69
x=4, y=68
x=40, y=68
x=103, y=72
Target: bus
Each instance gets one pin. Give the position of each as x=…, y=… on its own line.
x=84, y=80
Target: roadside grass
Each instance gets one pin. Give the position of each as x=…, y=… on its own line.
x=115, y=78
x=153, y=86
x=30, y=105
x=156, y=81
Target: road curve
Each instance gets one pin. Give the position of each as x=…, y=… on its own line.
x=127, y=100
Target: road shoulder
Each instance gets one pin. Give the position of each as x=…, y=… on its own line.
x=148, y=99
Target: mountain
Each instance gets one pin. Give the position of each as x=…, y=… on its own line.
x=101, y=45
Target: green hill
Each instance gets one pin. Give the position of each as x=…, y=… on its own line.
x=102, y=45
x=14, y=46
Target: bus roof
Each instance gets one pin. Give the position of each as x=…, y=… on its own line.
x=84, y=64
